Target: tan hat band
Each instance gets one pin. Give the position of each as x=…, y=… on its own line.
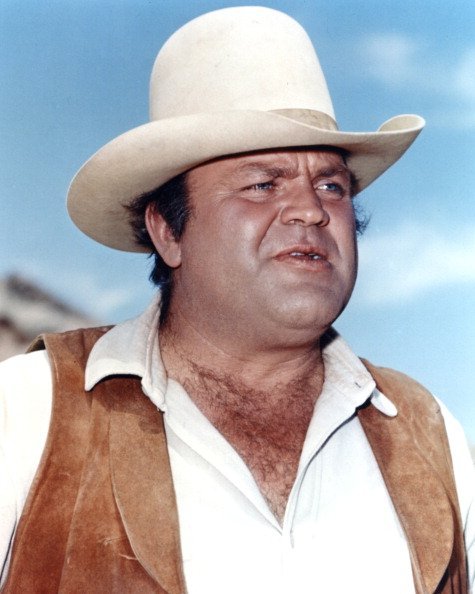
x=311, y=117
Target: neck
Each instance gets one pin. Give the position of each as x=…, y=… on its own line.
x=186, y=349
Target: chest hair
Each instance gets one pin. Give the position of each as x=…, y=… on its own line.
x=267, y=429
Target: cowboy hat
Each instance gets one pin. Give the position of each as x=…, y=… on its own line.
x=231, y=81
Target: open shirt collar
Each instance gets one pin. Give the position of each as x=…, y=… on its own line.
x=132, y=348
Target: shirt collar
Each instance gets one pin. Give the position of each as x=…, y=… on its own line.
x=346, y=373
x=132, y=348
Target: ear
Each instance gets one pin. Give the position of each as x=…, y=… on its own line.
x=162, y=237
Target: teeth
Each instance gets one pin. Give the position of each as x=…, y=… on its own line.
x=312, y=256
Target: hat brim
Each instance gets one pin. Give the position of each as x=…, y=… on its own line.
x=148, y=156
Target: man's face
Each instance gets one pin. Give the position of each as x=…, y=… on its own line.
x=270, y=243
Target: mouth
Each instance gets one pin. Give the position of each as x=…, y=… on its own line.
x=302, y=252
x=306, y=256
x=303, y=255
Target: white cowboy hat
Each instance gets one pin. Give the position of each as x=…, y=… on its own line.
x=231, y=81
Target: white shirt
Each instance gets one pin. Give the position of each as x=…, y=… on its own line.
x=340, y=532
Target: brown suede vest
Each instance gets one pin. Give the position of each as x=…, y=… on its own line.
x=101, y=514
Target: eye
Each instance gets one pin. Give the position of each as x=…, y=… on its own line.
x=260, y=191
x=332, y=189
x=262, y=186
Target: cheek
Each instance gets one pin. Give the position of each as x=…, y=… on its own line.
x=343, y=218
x=222, y=237
x=198, y=248
x=247, y=224
x=344, y=233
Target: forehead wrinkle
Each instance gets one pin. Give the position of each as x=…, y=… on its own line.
x=332, y=171
x=291, y=170
x=264, y=167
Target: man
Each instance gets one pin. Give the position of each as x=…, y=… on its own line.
x=228, y=440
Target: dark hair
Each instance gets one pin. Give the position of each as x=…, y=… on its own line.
x=362, y=219
x=171, y=200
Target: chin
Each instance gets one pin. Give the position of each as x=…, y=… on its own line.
x=317, y=312
x=307, y=318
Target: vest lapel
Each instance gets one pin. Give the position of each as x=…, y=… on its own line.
x=143, y=488
x=415, y=486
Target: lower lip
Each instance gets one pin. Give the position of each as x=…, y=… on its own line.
x=319, y=265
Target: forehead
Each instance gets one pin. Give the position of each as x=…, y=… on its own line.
x=287, y=162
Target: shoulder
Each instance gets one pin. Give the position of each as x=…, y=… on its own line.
x=464, y=472
x=464, y=469
x=25, y=410
x=24, y=375
x=25, y=403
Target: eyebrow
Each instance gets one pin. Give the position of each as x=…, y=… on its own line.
x=262, y=167
x=332, y=171
x=289, y=172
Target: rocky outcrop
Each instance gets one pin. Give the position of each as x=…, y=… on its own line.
x=26, y=310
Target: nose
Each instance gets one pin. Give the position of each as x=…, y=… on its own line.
x=304, y=207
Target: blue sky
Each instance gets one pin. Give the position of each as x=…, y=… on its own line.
x=74, y=74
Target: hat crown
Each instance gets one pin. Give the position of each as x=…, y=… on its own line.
x=242, y=58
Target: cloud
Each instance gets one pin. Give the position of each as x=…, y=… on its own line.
x=100, y=300
x=402, y=62
x=412, y=260
x=389, y=58
x=464, y=74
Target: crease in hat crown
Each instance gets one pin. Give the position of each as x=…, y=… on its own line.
x=230, y=81
x=280, y=71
